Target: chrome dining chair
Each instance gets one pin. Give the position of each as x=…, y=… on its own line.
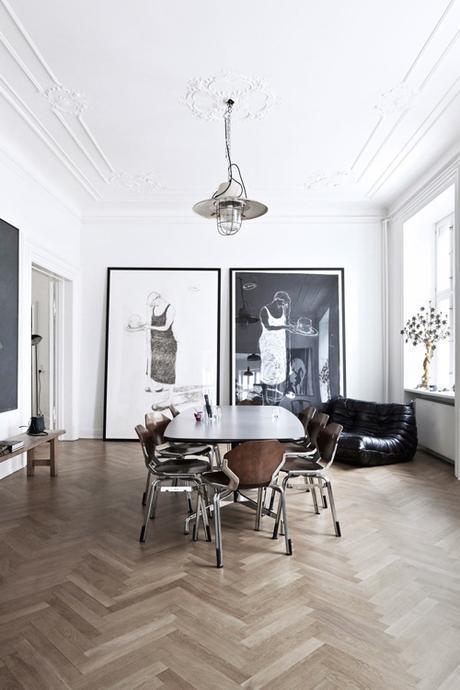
x=250, y=465
x=314, y=471
x=174, y=467
x=158, y=421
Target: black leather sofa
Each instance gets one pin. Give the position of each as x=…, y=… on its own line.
x=373, y=433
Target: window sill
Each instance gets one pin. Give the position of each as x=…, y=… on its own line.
x=445, y=397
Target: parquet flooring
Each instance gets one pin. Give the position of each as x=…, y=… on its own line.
x=83, y=605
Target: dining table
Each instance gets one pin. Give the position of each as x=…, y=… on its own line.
x=236, y=424
x=231, y=424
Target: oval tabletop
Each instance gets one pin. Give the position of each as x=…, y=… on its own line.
x=237, y=423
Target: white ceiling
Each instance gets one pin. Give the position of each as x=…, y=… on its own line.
x=366, y=97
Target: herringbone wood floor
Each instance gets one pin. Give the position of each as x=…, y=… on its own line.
x=84, y=605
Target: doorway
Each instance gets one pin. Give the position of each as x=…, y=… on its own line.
x=44, y=343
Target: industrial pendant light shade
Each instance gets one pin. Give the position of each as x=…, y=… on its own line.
x=229, y=203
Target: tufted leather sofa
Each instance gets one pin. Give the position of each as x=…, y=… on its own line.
x=373, y=433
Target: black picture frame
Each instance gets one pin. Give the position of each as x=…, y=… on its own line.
x=9, y=316
x=318, y=291
x=202, y=337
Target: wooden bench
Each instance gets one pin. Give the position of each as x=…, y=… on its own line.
x=33, y=442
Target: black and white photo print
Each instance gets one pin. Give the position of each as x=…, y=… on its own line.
x=287, y=336
x=162, y=343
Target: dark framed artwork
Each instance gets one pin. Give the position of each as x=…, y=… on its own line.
x=287, y=342
x=9, y=301
x=162, y=343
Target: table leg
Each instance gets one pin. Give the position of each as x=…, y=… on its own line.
x=53, y=457
x=30, y=462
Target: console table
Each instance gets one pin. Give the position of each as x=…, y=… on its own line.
x=33, y=442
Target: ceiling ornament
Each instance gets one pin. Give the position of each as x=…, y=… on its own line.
x=229, y=205
x=330, y=180
x=395, y=100
x=66, y=100
x=207, y=97
x=135, y=183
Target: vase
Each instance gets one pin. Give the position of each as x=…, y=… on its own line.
x=426, y=364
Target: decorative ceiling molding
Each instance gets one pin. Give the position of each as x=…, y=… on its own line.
x=207, y=96
x=66, y=100
x=430, y=120
x=139, y=183
x=330, y=180
x=395, y=100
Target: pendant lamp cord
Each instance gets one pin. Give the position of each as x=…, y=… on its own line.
x=230, y=165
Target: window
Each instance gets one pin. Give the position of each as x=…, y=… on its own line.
x=444, y=299
x=429, y=275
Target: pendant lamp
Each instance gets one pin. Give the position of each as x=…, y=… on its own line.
x=229, y=203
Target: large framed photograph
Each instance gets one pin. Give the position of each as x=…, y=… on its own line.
x=287, y=336
x=9, y=301
x=162, y=344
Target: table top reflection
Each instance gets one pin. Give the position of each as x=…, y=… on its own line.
x=236, y=424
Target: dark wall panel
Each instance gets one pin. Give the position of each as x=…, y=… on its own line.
x=9, y=281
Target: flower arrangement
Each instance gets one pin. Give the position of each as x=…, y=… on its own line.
x=428, y=327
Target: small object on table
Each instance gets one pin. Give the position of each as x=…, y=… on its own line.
x=207, y=405
x=198, y=414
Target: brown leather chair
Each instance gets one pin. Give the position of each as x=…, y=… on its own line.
x=250, y=465
x=173, y=467
x=304, y=445
x=314, y=470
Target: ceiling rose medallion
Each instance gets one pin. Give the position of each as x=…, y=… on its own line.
x=66, y=100
x=207, y=97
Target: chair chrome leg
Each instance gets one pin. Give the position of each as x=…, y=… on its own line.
x=146, y=490
x=287, y=541
x=188, y=499
x=199, y=515
x=152, y=492
x=218, y=531
x=260, y=505
x=313, y=495
x=338, y=531
x=204, y=506
x=276, y=525
x=156, y=491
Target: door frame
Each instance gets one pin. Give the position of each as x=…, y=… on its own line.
x=67, y=335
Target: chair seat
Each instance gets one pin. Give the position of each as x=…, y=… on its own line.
x=300, y=464
x=299, y=447
x=182, y=449
x=183, y=466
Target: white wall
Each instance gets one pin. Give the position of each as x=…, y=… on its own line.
x=354, y=245
x=46, y=227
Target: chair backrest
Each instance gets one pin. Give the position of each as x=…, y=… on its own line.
x=305, y=416
x=255, y=462
x=156, y=423
x=327, y=441
x=253, y=401
x=316, y=423
x=174, y=411
x=147, y=444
